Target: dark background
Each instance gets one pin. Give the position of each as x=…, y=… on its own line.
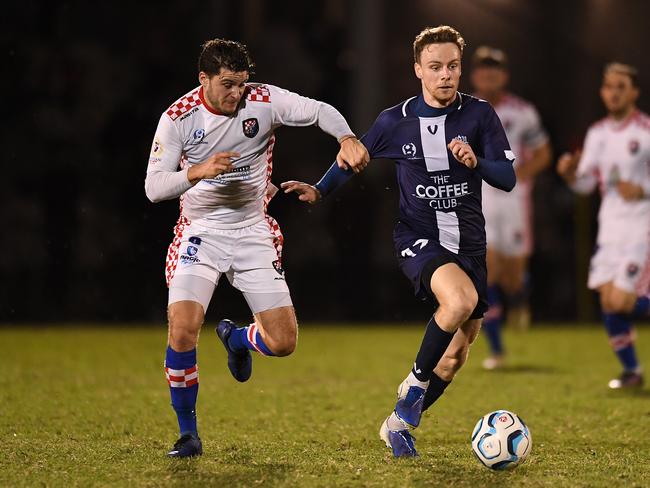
x=85, y=84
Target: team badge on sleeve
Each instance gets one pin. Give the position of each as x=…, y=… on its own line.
x=251, y=127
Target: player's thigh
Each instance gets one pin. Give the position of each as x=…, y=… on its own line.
x=616, y=300
x=616, y=270
x=279, y=324
x=453, y=287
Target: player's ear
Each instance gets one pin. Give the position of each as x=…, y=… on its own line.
x=418, y=70
x=203, y=79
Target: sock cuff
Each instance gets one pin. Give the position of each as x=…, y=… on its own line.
x=180, y=360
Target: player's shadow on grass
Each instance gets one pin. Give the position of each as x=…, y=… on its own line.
x=525, y=368
x=192, y=472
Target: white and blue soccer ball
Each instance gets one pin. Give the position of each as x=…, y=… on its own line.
x=501, y=440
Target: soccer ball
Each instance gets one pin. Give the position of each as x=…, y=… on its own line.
x=501, y=440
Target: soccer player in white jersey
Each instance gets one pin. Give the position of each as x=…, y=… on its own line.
x=616, y=159
x=508, y=216
x=220, y=134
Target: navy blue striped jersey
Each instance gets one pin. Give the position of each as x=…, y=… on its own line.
x=440, y=198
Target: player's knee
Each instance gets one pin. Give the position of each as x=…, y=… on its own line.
x=184, y=327
x=283, y=345
x=461, y=305
x=614, y=303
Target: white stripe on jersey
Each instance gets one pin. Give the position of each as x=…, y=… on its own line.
x=434, y=145
x=449, y=231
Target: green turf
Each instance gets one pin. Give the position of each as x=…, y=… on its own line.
x=90, y=407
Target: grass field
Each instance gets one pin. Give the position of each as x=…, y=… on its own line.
x=90, y=407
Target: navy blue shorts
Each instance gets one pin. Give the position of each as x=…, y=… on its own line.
x=419, y=257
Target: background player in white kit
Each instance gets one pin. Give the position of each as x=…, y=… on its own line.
x=221, y=136
x=508, y=216
x=616, y=158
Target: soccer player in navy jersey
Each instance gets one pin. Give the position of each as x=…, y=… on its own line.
x=445, y=144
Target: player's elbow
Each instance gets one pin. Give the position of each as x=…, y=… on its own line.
x=152, y=193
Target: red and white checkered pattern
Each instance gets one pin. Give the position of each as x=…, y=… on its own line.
x=172, y=251
x=621, y=341
x=259, y=94
x=182, y=378
x=184, y=104
x=278, y=238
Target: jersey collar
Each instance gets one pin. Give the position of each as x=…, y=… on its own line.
x=207, y=107
x=422, y=109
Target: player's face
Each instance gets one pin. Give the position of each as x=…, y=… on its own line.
x=223, y=91
x=439, y=71
x=489, y=81
x=618, y=93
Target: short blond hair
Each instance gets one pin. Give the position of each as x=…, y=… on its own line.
x=437, y=35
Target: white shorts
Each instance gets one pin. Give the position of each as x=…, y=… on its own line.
x=622, y=264
x=508, y=225
x=250, y=258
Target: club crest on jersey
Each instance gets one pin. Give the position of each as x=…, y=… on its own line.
x=632, y=269
x=251, y=127
x=461, y=138
x=278, y=267
x=409, y=149
x=633, y=146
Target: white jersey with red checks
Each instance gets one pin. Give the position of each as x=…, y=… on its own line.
x=508, y=216
x=525, y=134
x=190, y=131
x=617, y=151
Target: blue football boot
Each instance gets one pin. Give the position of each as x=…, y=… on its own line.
x=189, y=445
x=410, y=399
x=240, y=363
x=401, y=442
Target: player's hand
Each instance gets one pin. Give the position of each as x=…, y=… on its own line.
x=353, y=155
x=306, y=192
x=213, y=166
x=463, y=153
x=630, y=191
x=567, y=166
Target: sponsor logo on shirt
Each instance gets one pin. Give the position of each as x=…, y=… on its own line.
x=191, y=250
x=191, y=112
x=185, y=259
x=236, y=174
x=442, y=195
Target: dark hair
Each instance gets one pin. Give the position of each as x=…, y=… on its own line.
x=623, y=69
x=437, y=35
x=222, y=53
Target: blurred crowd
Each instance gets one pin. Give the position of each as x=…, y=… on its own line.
x=88, y=82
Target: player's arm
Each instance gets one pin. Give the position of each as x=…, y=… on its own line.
x=164, y=181
x=580, y=168
x=336, y=176
x=294, y=110
x=536, y=138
